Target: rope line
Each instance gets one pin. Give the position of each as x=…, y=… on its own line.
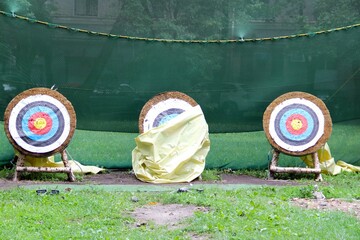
x=52, y=25
x=344, y=84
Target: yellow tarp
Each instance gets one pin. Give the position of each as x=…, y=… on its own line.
x=173, y=152
x=327, y=162
x=50, y=162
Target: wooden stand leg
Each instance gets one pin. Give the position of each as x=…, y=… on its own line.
x=19, y=164
x=273, y=164
x=318, y=176
x=71, y=176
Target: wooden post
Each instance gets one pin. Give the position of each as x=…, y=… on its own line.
x=273, y=164
x=71, y=176
x=318, y=176
x=19, y=164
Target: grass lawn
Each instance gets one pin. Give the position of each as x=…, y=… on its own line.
x=261, y=212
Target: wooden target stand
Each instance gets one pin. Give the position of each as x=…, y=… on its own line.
x=40, y=122
x=297, y=124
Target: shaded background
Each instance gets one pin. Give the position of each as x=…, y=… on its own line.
x=109, y=78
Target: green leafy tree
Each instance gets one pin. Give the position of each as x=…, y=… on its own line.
x=336, y=13
x=21, y=7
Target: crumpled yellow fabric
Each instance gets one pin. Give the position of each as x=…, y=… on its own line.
x=76, y=167
x=327, y=162
x=173, y=152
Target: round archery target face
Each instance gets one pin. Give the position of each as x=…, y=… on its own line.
x=163, y=112
x=40, y=124
x=297, y=125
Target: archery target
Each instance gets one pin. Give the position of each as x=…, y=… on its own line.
x=297, y=123
x=162, y=108
x=39, y=122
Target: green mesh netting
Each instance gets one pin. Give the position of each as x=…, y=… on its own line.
x=231, y=56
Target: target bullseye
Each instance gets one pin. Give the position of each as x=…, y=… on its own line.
x=39, y=122
x=297, y=123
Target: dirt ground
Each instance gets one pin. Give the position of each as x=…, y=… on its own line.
x=127, y=177
x=118, y=177
x=171, y=215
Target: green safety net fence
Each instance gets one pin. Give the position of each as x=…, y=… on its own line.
x=233, y=57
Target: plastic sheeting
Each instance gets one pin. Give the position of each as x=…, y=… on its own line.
x=50, y=162
x=327, y=162
x=173, y=152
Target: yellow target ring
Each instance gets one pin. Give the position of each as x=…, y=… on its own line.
x=40, y=123
x=296, y=124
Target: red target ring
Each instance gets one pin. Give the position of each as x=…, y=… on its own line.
x=40, y=123
x=296, y=124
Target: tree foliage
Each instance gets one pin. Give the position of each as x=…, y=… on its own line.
x=207, y=19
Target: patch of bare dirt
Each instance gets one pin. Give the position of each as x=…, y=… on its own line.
x=169, y=215
x=351, y=207
x=246, y=179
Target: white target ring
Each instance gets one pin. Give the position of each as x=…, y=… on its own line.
x=163, y=112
